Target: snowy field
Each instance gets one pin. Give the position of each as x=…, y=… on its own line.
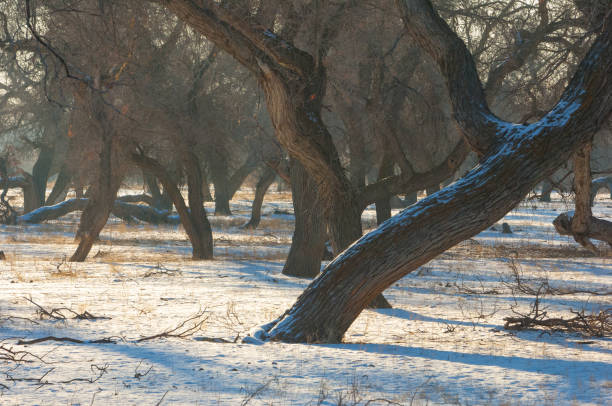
x=444, y=341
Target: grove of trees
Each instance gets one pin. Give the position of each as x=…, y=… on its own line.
x=352, y=102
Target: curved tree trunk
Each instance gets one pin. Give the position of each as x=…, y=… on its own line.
x=515, y=158
x=412, y=238
x=309, y=235
x=60, y=188
x=101, y=198
x=265, y=181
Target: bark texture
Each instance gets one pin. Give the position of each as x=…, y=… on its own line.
x=309, y=235
x=265, y=181
x=100, y=202
x=203, y=240
x=516, y=157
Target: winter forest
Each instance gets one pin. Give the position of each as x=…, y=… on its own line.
x=305, y=202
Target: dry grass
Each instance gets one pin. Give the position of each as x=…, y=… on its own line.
x=475, y=250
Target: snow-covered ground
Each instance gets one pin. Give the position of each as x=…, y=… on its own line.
x=443, y=342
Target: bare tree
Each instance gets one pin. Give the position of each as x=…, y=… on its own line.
x=515, y=158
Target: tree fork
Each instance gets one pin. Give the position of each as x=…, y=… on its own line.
x=515, y=158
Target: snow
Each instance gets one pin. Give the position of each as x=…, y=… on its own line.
x=438, y=345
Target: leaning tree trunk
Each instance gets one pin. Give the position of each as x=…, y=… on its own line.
x=412, y=238
x=515, y=158
x=60, y=188
x=265, y=181
x=309, y=236
x=100, y=202
x=94, y=218
x=203, y=239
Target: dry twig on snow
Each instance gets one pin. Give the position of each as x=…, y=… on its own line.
x=183, y=329
x=58, y=313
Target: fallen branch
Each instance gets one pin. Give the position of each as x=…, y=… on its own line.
x=142, y=198
x=588, y=325
x=182, y=330
x=121, y=209
x=8, y=354
x=161, y=270
x=105, y=340
x=97, y=370
x=58, y=313
x=598, y=229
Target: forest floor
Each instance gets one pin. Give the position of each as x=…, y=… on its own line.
x=443, y=342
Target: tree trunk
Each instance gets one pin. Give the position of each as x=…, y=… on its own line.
x=203, y=240
x=411, y=198
x=309, y=235
x=546, y=190
x=30, y=197
x=60, y=188
x=600, y=183
x=149, y=164
x=598, y=229
x=220, y=179
x=412, y=238
x=431, y=190
x=515, y=158
x=581, y=225
x=100, y=202
x=121, y=209
x=582, y=191
x=40, y=173
x=383, y=206
x=265, y=181
x=207, y=195
x=161, y=201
